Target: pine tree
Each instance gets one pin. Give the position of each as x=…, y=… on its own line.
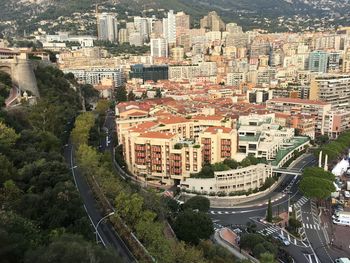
x=121, y=94
x=131, y=96
x=158, y=93
x=144, y=95
x=269, y=212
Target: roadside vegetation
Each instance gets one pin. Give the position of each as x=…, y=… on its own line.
x=228, y=164
x=42, y=218
x=146, y=213
x=317, y=183
x=335, y=148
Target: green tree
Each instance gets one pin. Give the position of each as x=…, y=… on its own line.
x=129, y=207
x=251, y=227
x=10, y=194
x=318, y=172
x=7, y=170
x=197, y=202
x=317, y=188
x=192, y=227
x=317, y=183
x=158, y=93
x=17, y=235
x=121, y=94
x=44, y=116
x=8, y=137
x=218, y=167
x=88, y=159
x=269, y=212
x=144, y=95
x=71, y=249
x=323, y=139
x=189, y=254
x=249, y=241
x=267, y=258
x=5, y=79
x=131, y=96
x=233, y=164
x=5, y=87
x=215, y=253
x=83, y=124
x=102, y=106
x=294, y=223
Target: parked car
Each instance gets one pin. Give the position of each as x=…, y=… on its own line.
x=283, y=240
x=338, y=208
x=347, y=194
x=237, y=230
x=342, y=260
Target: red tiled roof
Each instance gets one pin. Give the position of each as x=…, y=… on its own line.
x=138, y=113
x=157, y=135
x=143, y=126
x=173, y=119
x=208, y=117
x=298, y=101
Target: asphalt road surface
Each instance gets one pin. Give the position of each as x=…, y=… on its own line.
x=106, y=233
x=312, y=248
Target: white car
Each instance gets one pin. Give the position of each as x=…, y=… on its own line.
x=283, y=239
x=347, y=194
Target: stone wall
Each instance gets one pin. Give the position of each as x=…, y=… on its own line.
x=21, y=70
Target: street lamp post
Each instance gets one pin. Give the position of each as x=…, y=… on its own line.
x=99, y=222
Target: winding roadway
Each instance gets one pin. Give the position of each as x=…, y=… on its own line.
x=106, y=233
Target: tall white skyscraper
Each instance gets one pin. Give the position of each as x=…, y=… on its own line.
x=159, y=47
x=107, y=27
x=142, y=26
x=169, y=27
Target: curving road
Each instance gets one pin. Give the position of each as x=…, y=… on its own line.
x=300, y=249
x=106, y=233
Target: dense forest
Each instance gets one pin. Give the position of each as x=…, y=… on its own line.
x=41, y=215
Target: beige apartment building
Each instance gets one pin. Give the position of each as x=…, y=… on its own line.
x=168, y=148
x=332, y=89
x=336, y=122
x=241, y=179
x=159, y=156
x=164, y=157
x=317, y=109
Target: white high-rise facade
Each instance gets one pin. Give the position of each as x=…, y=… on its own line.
x=107, y=27
x=142, y=27
x=159, y=47
x=169, y=27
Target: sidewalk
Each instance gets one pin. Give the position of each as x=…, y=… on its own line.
x=338, y=235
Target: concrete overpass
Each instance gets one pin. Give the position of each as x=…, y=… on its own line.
x=286, y=171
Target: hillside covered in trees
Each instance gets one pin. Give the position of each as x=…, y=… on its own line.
x=41, y=215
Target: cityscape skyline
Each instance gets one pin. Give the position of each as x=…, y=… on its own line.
x=177, y=134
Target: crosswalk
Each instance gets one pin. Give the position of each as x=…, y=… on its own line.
x=275, y=230
x=223, y=212
x=311, y=258
x=289, y=186
x=268, y=231
x=312, y=226
x=302, y=201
